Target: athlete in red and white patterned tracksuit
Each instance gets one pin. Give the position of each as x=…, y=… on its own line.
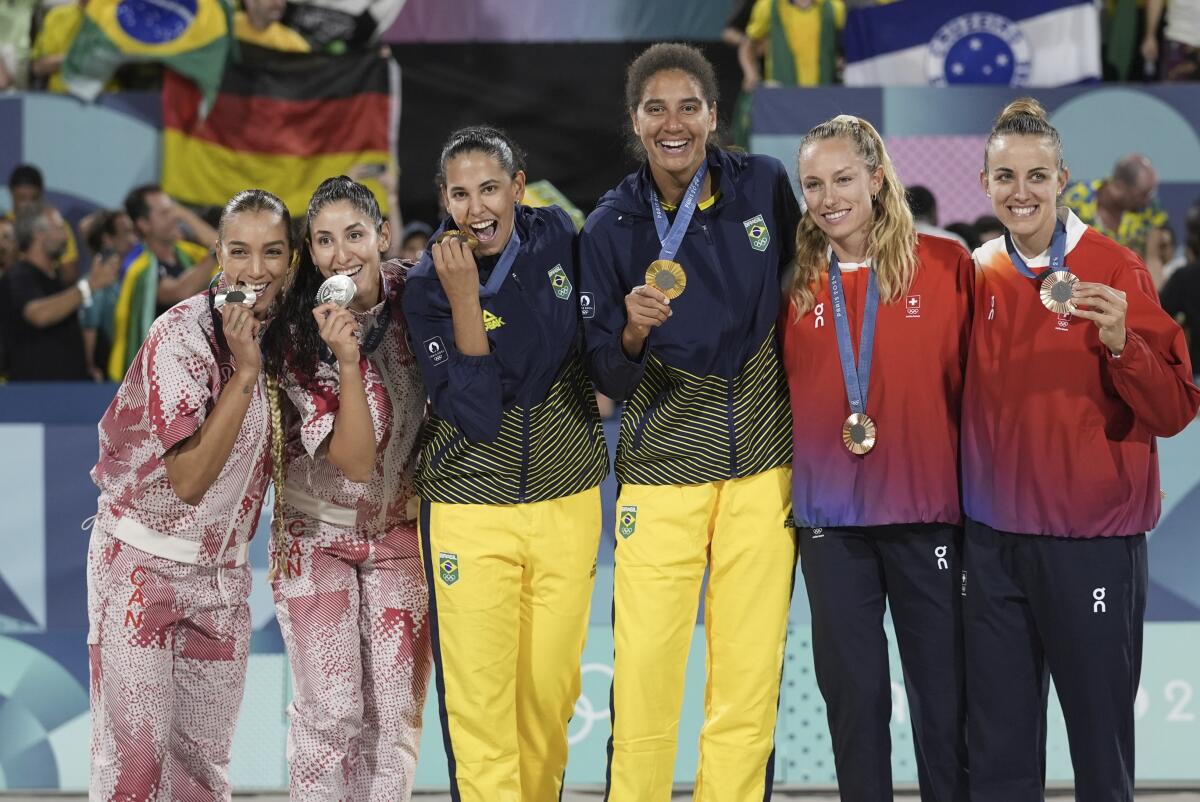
x=184, y=465
x=350, y=594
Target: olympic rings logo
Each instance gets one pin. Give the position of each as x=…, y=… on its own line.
x=586, y=713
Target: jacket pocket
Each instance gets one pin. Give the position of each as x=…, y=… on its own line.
x=651, y=410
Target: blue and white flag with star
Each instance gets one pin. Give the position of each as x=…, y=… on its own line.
x=1008, y=42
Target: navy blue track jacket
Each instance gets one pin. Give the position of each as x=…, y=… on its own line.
x=707, y=400
x=518, y=424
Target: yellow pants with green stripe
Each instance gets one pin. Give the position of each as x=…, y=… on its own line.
x=666, y=536
x=510, y=589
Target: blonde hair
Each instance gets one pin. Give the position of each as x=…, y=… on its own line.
x=275, y=548
x=892, y=241
x=1025, y=117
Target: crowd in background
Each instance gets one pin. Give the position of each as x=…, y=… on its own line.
x=35, y=36
x=69, y=311
x=61, y=323
x=1151, y=40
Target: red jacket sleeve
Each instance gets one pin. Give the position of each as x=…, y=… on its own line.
x=1153, y=374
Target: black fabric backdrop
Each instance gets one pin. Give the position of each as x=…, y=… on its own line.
x=562, y=103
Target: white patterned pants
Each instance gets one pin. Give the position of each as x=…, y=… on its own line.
x=167, y=643
x=352, y=609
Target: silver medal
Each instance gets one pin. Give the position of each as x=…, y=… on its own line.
x=336, y=289
x=237, y=294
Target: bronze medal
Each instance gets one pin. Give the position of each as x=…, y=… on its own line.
x=859, y=433
x=667, y=277
x=1056, y=292
x=461, y=236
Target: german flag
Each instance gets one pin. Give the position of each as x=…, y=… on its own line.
x=192, y=37
x=283, y=122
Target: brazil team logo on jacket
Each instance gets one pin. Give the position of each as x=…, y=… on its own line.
x=756, y=229
x=448, y=567
x=560, y=282
x=627, y=521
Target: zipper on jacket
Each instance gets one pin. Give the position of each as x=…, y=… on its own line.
x=725, y=291
x=522, y=489
x=524, y=475
x=733, y=468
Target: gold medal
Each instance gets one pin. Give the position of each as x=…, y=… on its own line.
x=461, y=236
x=859, y=433
x=667, y=277
x=1056, y=292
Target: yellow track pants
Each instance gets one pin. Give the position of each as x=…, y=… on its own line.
x=510, y=589
x=666, y=536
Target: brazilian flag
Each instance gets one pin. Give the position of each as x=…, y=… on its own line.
x=543, y=193
x=137, y=302
x=192, y=37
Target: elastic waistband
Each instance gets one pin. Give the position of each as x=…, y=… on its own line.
x=323, y=511
x=171, y=547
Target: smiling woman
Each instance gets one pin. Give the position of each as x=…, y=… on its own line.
x=509, y=470
x=682, y=262
x=1073, y=373
x=873, y=306
x=482, y=179
x=254, y=254
x=344, y=542
x=184, y=466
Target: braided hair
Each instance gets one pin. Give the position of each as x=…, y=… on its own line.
x=259, y=200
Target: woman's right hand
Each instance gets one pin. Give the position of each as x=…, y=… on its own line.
x=339, y=330
x=645, y=308
x=241, y=332
x=457, y=271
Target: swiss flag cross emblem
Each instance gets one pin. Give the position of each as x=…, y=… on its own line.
x=912, y=306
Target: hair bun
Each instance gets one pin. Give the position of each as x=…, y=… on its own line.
x=1023, y=107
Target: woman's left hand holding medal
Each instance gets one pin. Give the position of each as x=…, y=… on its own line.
x=339, y=330
x=1104, y=306
x=456, y=269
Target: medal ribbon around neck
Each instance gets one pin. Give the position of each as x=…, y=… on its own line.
x=672, y=237
x=504, y=266
x=1057, y=282
x=382, y=319
x=857, y=378
x=1058, y=253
